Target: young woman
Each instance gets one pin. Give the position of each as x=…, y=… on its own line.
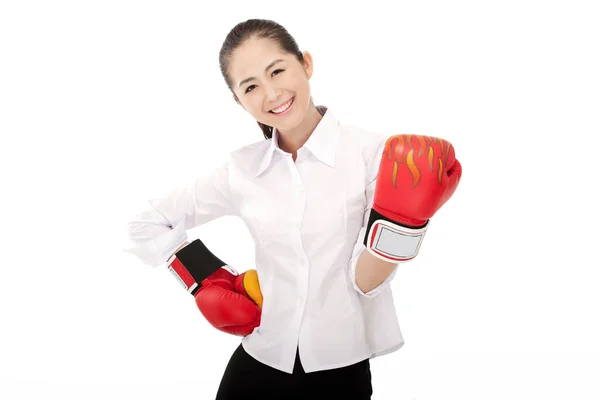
x=332, y=210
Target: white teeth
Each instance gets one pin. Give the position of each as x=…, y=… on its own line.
x=283, y=107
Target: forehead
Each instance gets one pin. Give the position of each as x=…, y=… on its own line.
x=253, y=56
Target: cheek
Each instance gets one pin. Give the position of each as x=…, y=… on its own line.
x=302, y=87
x=303, y=94
x=298, y=82
x=253, y=104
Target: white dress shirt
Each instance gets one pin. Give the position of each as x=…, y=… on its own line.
x=307, y=219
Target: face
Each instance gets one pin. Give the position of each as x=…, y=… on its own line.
x=270, y=84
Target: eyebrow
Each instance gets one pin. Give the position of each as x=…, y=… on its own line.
x=266, y=69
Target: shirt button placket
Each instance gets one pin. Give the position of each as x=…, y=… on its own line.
x=298, y=208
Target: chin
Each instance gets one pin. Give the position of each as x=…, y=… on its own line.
x=291, y=124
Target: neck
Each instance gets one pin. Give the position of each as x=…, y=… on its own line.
x=291, y=141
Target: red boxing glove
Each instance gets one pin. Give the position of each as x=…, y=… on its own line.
x=213, y=284
x=417, y=175
x=223, y=307
x=247, y=284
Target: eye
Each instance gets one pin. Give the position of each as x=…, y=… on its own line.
x=251, y=87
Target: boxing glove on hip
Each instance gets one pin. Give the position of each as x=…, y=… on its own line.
x=229, y=301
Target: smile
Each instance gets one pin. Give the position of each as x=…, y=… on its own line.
x=283, y=108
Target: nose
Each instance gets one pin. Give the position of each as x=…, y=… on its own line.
x=272, y=93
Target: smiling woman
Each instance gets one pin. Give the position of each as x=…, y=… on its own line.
x=269, y=77
x=333, y=209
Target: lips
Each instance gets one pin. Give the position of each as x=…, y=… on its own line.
x=282, y=108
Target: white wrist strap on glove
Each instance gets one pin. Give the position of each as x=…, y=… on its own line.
x=394, y=243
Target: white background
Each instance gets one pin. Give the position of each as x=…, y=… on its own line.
x=104, y=104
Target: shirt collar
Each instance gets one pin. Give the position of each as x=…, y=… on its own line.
x=322, y=142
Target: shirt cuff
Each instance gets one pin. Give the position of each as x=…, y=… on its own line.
x=155, y=252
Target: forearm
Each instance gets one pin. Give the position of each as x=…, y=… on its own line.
x=372, y=271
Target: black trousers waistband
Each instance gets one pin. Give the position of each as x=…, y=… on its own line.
x=246, y=377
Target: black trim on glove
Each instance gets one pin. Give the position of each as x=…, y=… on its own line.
x=199, y=261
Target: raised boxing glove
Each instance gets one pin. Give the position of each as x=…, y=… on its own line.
x=229, y=301
x=417, y=175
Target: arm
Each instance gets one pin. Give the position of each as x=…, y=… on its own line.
x=159, y=231
x=368, y=273
x=372, y=271
x=416, y=176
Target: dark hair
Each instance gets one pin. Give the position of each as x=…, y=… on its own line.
x=261, y=28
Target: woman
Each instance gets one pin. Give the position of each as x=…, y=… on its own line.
x=308, y=196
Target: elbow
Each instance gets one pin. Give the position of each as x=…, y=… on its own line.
x=145, y=226
x=137, y=231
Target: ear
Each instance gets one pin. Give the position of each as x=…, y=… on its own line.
x=307, y=63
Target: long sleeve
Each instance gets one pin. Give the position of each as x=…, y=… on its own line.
x=372, y=171
x=157, y=231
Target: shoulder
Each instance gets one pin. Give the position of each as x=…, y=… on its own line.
x=253, y=149
x=369, y=143
x=250, y=156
